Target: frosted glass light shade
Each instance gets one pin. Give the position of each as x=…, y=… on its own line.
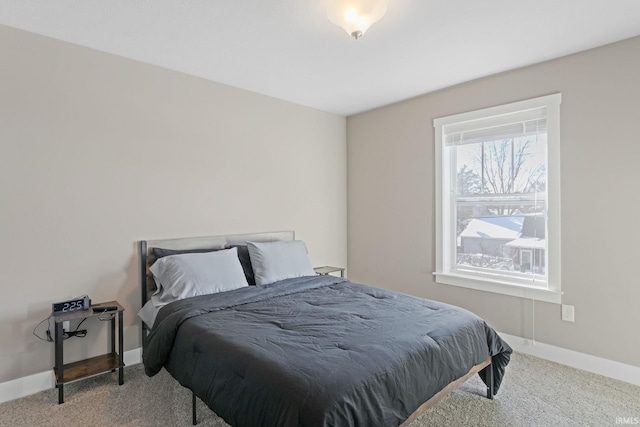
x=356, y=16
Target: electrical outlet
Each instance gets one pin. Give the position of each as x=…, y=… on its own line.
x=66, y=326
x=568, y=314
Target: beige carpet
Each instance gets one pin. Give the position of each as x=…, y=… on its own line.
x=534, y=393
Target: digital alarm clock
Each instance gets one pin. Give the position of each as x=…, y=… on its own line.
x=81, y=303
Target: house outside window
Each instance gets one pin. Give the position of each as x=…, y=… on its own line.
x=498, y=199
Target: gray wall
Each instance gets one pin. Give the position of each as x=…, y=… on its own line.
x=98, y=152
x=391, y=203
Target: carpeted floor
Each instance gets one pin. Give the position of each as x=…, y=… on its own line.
x=535, y=392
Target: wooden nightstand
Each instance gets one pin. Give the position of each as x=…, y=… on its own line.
x=328, y=269
x=94, y=365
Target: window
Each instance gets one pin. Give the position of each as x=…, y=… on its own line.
x=498, y=199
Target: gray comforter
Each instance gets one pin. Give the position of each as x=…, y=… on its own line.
x=318, y=351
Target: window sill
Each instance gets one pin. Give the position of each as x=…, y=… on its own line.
x=514, y=290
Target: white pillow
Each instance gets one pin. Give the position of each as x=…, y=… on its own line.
x=188, y=275
x=275, y=261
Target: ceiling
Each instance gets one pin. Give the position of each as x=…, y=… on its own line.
x=288, y=49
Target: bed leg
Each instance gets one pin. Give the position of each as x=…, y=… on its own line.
x=490, y=393
x=193, y=408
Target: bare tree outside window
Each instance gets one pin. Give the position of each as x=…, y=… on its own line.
x=496, y=180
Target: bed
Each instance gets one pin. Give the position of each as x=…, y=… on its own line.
x=307, y=350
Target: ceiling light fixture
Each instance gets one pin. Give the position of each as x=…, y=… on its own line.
x=356, y=16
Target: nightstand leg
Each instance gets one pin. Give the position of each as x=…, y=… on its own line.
x=59, y=361
x=113, y=334
x=120, y=350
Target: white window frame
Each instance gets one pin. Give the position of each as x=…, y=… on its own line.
x=549, y=290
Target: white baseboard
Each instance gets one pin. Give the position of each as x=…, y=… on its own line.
x=25, y=386
x=35, y=383
x=31, y=384
x=586, y=362
x=132, y=357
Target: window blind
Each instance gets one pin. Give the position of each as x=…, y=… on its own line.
x=506, y=126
